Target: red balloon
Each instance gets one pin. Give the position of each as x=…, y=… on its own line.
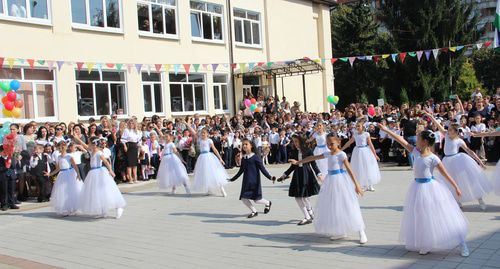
x=19, y=103
x=4, y=99
x=11, y=96
x=9, y=105
x=253, y=101
x=11, y=136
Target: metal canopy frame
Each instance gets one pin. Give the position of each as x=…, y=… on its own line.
x=298, y=67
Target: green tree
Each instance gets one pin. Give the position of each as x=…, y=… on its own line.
x=487, y=65
x=467, y=81
x=403, y=97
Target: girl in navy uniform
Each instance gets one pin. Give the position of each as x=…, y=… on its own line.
x=251, y=188
x=304, y=183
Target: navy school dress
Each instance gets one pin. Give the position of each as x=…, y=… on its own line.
x=251, y=186
x=304, y=183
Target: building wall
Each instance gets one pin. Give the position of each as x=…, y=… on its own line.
x=289, y=29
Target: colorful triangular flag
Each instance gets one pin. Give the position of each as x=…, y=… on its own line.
x=344, y=59
x=435, y=53
x=369, y=58
x=50, y=64
x=138, y=68
x=1, y=62
x=487, y=43
x=402, y=56
x=196, y=67
x=351, y=60
x=167, y=67
x=119, y=67
x=11, y=61
x=242, y=67
x=412, y=54
x=428, y=54
x=479, y=45
x=419, y=55
x=205, y=67
x=89, y=67
x=79, y=66
x=59, y=65
x=187, y=67
x=333, y=60
x=453, y=49
x=31, y=62
x=460, y=47
x=110, y=65
x=233, y=65
x=393, y=56
x=214, y=67
x=269, y=64
x=129, y=68
x=41, y=62
x=385, y=56
x=148, y=69
x=176, y=68
x=251, y=66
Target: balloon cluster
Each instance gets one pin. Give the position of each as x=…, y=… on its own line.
x=334, y=100
x=251, y=105
x=12, y=102
x=371, y=110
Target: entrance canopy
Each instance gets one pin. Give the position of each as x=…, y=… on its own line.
x=298, y=67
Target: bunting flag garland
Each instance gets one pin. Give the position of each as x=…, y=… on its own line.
x=243, y=66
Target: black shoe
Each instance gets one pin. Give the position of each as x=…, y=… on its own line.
x=253, y=215
x=305, y=222
x=268, y=207
x=40, y=200
x=4, y=208
x=17, y=203
x=13, y=207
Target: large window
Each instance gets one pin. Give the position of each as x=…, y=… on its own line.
x=206, y=21
x=220, y=92
x=157, y=17
x=101, y=93
x=187, y=92
x=247, y=27
x=37, y=91
x=96, y=14
x=152, y=92
x=35, y=11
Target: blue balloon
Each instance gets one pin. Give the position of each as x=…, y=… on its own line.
x=15, y=85
x=6, y=125
x=1, y=139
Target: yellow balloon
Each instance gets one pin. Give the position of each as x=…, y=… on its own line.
x=6, y=113
x=16, y=112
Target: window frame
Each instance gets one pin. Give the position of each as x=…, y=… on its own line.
x=162, y=97
x=219, y=85
x=242, y=21
x=94, y=100
x=205, y=94
x=30, y=20
x=35, y=82
x=87, y=27
x=150, y=10
x=212, y=14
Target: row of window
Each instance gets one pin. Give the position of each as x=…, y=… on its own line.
x=155, y=18
x=105, y=92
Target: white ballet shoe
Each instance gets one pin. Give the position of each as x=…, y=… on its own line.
x=338, y=237
x=371, y=188
x=464, y=251
x=423, y=252
x=482, y=204
x=362, y=237
x=224, y=194
x=119, y=213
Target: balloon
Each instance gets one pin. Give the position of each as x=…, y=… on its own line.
x=19, y=103
x=15, y=85
x=336, y=99
x=11, y=96
x=1, y=138
x=258, y=109
x=16, y=112
x=4, y=99
x=371, y=111
x=7, y=124
x=6, y=113
x=253, y=101
x=5, y=131
x=253, y=107
x=5, y=85
x=247, y=102
x=9, y=105
x=329, y=98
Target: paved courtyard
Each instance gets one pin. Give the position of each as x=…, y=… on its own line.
x=159, y=230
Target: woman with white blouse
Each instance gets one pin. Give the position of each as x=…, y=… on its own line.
x=130, y=139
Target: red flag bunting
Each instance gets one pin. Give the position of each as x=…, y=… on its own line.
x=333, y=60
x=444, y=49
x=402, y=56
x=233, y=66
x=187, y=67
x=1, y=62
x=109, y=65
x=158, y=67
x=376, y=59
x=31, y=62
x=79, y=66
x=487, y=44
x=260, y=63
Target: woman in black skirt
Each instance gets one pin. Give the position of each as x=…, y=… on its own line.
x=130, y=139
x=304, y=183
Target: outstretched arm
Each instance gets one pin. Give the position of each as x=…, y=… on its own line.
x=235, y=177
x=396, y=137
x=486, y=134
x=472, y=154
x=348, y=144
x=307, y=160
x=443, y=172
x=435, y=122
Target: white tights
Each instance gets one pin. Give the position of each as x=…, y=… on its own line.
x=304, y=205
x=248, y=203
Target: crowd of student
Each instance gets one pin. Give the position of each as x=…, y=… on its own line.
x=134, y=148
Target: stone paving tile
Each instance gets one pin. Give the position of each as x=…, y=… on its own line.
x=159, y=230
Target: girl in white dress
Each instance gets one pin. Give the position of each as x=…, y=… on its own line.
x=100, y=193
x=66, y=190
x=337, y=208
x=496, y=174
x=364, y=158
x=320, y=137
x=466, y=171
x=172, y=172
x=432, y=220
x=209, y=173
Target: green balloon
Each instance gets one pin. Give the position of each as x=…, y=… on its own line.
x=336, y=99
x=253, y=107
x=5, y=85
x=330, y=98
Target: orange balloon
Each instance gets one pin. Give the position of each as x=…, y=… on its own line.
x=4, y=99
x=16, y=112
x=19, y=103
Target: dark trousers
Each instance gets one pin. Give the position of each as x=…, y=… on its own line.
x=274, y=153
x=7, y=191
x=44, y=188
x=228, y=157
x=282, y=157
x=188, y=160
x=155, y=162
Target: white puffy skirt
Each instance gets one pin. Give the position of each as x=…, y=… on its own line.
x=323, y=163
x=100, y=193
x=365, y=166
x=171, y=172
x=209, y=174
x=432, y=220
x=66, y=192
x=496, y=178
x=337, y=207
x=470, y=177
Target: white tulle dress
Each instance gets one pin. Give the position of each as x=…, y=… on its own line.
x=432, y=220
x=99, y=193
x=363, y=162
x=319, y=150
x=172, y=172
x=470, y=177
x=209, y=174
x=67, y=189
x=496, y=179
x=337, y=208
